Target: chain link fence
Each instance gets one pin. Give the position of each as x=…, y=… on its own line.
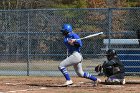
x=31, y=42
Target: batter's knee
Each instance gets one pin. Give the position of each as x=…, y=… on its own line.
x=80, y=74
x=60, y=67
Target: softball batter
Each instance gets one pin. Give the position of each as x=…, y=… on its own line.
x=75, y=58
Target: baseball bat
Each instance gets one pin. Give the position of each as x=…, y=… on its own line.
x=89, y=36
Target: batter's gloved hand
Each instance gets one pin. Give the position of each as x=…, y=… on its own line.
x=71, y=41
x=98, y=68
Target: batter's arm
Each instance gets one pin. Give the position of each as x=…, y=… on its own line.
x=74, y=43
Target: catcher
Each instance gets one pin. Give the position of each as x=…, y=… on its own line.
x=113, y=68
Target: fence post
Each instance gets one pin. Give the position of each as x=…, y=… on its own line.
x=109, y=26
x=28, y=57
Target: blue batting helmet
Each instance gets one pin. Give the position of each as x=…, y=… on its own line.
x=67, y=28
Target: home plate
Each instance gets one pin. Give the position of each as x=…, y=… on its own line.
x=43, y=88
x=113, y=86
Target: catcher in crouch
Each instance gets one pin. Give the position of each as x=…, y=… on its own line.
x=113, y=68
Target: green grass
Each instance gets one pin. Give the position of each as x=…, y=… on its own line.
x=46, y=65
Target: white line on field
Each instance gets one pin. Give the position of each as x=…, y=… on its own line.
x=12, y=83
x=14, y=91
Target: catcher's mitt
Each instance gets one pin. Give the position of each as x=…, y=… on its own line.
x=98, y=68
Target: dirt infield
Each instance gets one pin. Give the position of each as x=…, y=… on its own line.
x=38, y=84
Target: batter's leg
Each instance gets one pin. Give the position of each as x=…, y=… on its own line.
x=62, y=67
x=81, y=73
x=69, y=61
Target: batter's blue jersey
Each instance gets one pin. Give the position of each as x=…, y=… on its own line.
x=71, y=48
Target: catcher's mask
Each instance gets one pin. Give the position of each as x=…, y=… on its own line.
x=110, y=54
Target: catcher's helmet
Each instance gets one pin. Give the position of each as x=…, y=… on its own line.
x=67, y=28
x=110, y=54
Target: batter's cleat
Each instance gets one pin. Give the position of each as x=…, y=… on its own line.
x=68, y=82
x=97, y=82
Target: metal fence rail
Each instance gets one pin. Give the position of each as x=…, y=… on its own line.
x=31, y=42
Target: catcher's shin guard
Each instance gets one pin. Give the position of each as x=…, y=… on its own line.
x=114, y=81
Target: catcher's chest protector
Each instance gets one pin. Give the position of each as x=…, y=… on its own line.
x=108, y=71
